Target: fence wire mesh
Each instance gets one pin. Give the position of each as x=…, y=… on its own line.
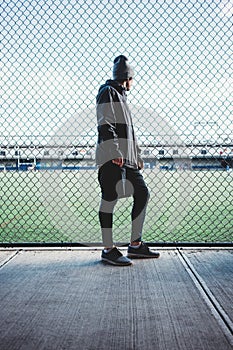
x=54, y=56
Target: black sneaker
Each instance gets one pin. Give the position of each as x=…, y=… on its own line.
x=114, y=257
x=142, y=252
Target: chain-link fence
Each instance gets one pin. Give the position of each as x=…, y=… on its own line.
x=54, y=56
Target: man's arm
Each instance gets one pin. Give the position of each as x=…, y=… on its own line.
x=107, y=121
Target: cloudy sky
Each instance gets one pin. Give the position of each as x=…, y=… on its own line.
x=54, y=54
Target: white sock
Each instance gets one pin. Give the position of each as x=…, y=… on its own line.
x=107, y=250
x=135, y=246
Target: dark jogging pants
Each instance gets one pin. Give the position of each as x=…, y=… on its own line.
x=115, y=183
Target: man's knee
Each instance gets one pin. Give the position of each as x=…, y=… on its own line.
x=107, y=206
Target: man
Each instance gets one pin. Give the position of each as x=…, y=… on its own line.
x=119, y=161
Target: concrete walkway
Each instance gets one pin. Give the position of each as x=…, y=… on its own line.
x=68, y=299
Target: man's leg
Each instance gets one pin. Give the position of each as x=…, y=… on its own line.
x=106, y=221
x=109, y=175
x=138, y=249
x=110, y=254
x=141, y=196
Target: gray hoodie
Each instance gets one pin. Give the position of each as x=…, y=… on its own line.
x=116, y=137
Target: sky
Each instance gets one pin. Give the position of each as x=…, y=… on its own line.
x=55, y=54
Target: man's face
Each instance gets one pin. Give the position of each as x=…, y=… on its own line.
x=128, y=84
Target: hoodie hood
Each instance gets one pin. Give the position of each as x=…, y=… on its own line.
x=114, y=84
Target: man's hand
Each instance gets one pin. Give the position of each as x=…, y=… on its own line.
x=118, y=161
x=140, y=164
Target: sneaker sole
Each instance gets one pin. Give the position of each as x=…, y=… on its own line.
x=141, y=256
x=110, y=262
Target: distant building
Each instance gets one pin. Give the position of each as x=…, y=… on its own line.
x=166, y=157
